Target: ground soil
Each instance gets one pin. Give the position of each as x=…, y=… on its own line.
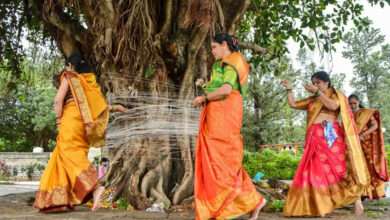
x=18, y=206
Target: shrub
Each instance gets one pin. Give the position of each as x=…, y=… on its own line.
x=271, y=164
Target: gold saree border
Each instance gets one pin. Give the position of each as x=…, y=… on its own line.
x=353, y=148
x=238, y=62
x=316, y=201
x=364, y=116
x=62, y=198
x=250, y=200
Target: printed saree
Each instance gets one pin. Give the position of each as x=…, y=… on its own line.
x=374, y=151
x=69, y=178
x=327, y=177
x=223, y=189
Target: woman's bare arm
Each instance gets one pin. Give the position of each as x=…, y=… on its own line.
x=59, y=99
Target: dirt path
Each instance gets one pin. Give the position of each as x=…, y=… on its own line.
x=16, y=206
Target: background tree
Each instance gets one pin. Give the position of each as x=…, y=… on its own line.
x=157, y=48
x=370, y=57
x=27, y=117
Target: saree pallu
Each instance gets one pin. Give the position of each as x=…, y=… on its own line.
x=374, y=152
x=69, y=178
x=223, y=189
x=321, y=182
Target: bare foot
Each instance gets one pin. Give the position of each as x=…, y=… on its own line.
x=97, y=194
x=359, y=209
x=255, y=212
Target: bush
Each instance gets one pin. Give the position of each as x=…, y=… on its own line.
x=15, y=171
x=271, y=164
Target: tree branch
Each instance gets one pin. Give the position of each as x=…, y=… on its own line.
x=253, y=47
x=107, y=9
x=235, y=22
x=167, y=17
x=67, y=25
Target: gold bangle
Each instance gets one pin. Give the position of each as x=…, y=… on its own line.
x=113, y=108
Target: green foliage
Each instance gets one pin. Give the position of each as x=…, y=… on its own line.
x=312, y=24
x=15, y=171
x=373, y=214
x=276, y=206
x=370, y=57
x=31, y=168
x=271, y=164
x=96, y=161
x=27, y=114
x=122, y=203
x=267, y=117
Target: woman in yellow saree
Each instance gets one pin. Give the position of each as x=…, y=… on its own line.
x=223, y=189
x=369, y=127
x=82, y=115
x=332, y=172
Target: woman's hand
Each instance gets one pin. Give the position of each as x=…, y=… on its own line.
x=58, y=121
x=198, y=101
x=286, y=84
x=361, y=136
x=311, y=88
x=199, y=82
x=120, y=108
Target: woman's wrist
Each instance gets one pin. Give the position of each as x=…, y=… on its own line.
x=289, y=90
x=112, y=108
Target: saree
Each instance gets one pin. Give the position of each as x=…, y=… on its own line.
x=223, y=189
x=374, y=151
x=69, y=178
x=327, y=177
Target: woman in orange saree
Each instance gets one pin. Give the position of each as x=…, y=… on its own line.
x=332, y=172
x=82, y=115
x=369, y=127
x=223, y=189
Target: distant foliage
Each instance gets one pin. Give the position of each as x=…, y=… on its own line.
x=271, y=164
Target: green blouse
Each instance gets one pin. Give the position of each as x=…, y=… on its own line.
x=221, y=76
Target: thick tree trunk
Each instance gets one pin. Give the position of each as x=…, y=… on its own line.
x=126, y=40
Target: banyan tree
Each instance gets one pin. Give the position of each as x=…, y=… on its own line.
x=147, y=53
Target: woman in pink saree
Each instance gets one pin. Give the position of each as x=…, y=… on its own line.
x=332, y=172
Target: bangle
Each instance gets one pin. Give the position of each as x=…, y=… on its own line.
x=318, y=93
x=114, y=108
x=203, y=98
x=289, y=90
x=58, y=116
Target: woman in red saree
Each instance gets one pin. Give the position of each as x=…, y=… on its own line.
x=223, y=189
x=82, y=115
x=332, y=172
x=369, y=127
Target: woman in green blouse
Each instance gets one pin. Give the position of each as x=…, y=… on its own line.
x=223, y=189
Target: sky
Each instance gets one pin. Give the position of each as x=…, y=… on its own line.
x=337, y=64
